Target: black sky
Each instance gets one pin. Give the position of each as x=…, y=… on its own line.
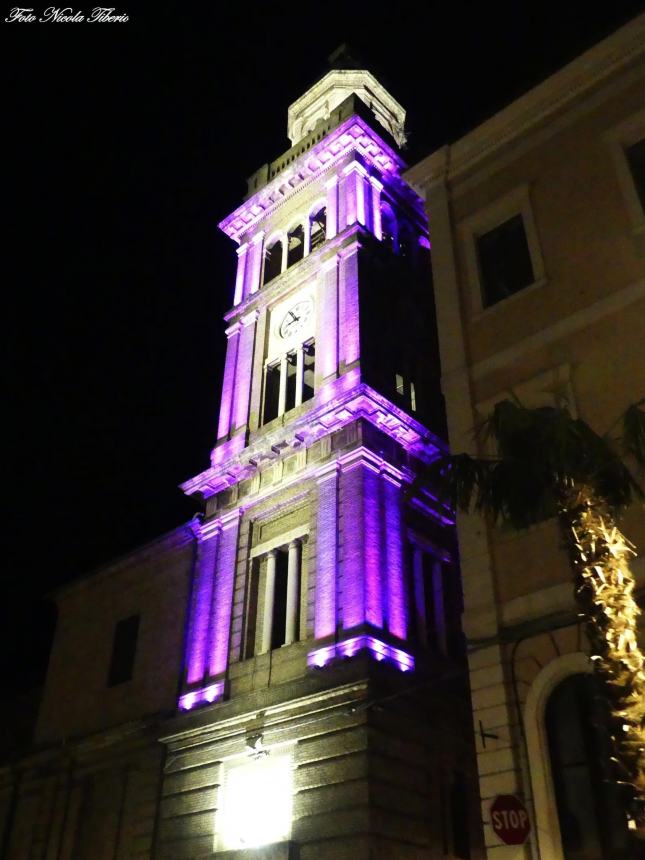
x=127, y=143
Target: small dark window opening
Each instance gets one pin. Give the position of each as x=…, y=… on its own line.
x=252, y=609
x=308, y=377
x=292, y=379
x=318, y=229
x=406, y=392
x=279, y=622
x=459, y=817
x=124, y=646
x=504, y=261
x=636, y=160
x=389, y=227
x=272, y=262
x=296, y=246
x=271, y=393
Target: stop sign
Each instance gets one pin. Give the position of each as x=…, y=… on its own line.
x=510, y=819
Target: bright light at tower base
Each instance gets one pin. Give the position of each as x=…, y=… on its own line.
x=257, y=801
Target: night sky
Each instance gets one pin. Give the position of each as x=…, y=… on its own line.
x=127, y=143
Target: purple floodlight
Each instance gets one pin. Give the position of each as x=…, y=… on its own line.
x=205, y=696
x=348, y=648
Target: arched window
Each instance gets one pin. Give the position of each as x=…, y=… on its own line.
x=389, y=226
x=272, y=261
x=296, y=245
x=592, y=825
x=317, y=228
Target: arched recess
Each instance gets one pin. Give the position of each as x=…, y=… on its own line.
x=546, y=813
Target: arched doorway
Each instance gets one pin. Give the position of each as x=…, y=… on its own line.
x=592, y=824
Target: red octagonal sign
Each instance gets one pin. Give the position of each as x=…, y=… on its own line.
x=510, y=819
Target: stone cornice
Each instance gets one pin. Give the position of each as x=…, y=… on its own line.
x=534, y=108
x=353, y=135
x=199, y=727
x=336, y=405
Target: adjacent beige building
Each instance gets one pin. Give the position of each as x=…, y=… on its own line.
x=537, y=227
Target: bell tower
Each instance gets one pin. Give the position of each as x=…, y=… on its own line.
x=323, y=576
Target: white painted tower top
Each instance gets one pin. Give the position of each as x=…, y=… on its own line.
x=329, y=92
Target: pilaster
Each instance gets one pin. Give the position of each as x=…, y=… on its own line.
x=228, y=385
x=222, y=597
x=349, y=318
x=326, y=553
x=254, y=266
x=327, y=322
x=244, y=367
x=331, y=187
x=241, y=270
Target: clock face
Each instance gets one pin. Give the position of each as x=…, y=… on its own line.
x=295, y=318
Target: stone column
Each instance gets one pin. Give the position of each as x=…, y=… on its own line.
x=254, y=267
x=282, y=400
x=285, y=252
x=244, y=366
x=360, y=178
x=300, y=373
x=228, y=385
x=269, y=596
x=241, y=270
x=375, y=220
x=331, y=208
x=327, y=322
x=346, y=199
x=348, y=312
x=293, y=587
x=257, y=372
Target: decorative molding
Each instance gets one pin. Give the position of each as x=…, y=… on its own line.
x=337, y=404
x=563, y=328
x=353, y=135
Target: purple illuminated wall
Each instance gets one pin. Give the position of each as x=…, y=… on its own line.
x=244, y=365
x=349, y=315
x=327, y=322
x=198, y=630
x=228, y=385
x=372, y=528
x=222, y=598
x=394, y=565
x=327, y=554
x=373, y=571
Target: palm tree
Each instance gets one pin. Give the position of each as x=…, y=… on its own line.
x=550, y=464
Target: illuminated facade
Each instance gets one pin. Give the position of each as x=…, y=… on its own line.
x=287, y=673
x=318, y=570
x=538, y=250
